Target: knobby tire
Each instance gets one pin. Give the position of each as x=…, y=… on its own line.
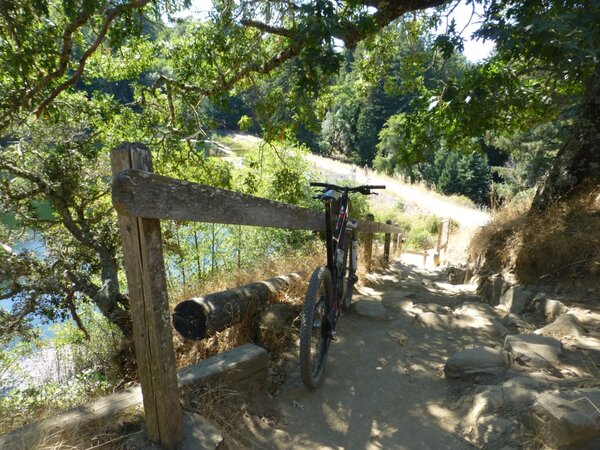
x=345, y=283
x=314, y=335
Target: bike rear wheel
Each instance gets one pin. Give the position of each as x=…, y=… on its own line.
x=314, y=330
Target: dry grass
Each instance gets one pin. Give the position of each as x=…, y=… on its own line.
x=312, y=256
x=103, y=434
x=458, y=246
x=275, y=340
x=563, y=243
x=560, y=245
x=223, y=407
x=529, y=439
x=592, y=380
x=190, y=352
x=491, y=244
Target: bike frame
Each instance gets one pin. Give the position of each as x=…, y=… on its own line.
x=336, y=241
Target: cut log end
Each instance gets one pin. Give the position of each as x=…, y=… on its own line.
x=189, y=320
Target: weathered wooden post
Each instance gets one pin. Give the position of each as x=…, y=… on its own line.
x=386, y=247
x=395, y=242
x=442, y=243
x=369, y=244
x=149, y=309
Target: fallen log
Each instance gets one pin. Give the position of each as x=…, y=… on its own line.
x=200, y=317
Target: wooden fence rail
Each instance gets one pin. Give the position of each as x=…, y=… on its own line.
x=139, y=193
x=142, y=199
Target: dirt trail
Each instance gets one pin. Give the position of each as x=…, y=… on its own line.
x=424, y=364
x=424, y=200
x=384, y=385
x=396, y=190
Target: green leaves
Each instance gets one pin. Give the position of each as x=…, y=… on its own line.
x=47, y=45
x=448, y=44
x=561, y=37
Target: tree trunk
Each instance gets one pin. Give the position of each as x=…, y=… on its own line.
x=578, y=160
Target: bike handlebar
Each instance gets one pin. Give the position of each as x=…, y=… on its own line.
x=364, y=189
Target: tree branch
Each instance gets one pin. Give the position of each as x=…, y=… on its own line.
x=75, y=315
x=22, y=173
x=84, y=286
x=269, y=29
x=283, y=56
x=110, y=17
x=8, y=249
x=57, y=202
x=22, y=195
x=8, y=294
x=386, y=13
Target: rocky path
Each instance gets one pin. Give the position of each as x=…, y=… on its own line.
x=424, y=364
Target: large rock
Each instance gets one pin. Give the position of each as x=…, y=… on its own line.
x=486, y=400
x=456, y=275
x=371, y=309
x=587, y=343
x=434, y=297
x=568, y=419
x=482, y=326
x=509, y=399
x=475, y=362
x=397, y=300
x=476, y=309
x=492, y=288
x=516, y=394
x=548, y=309
x=516, y=324
x=493, y=430
x=431, y=307
x=533, y=350
x=479, y=316
x=516, y=299
x=566, y=325
x=434, y=320
x=390, y=280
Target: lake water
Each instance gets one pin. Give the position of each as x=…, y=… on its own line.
x=44, y=364
x=32, y=242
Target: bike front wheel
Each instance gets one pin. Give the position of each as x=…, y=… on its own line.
x=315, y=333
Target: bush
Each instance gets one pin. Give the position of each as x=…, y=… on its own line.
x=419, y=239
x=87, y=370
x=35, y=401
x=420, y=231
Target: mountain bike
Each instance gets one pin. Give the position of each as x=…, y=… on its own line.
x=330, y=287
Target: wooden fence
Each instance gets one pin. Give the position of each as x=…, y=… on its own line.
x=142, y=199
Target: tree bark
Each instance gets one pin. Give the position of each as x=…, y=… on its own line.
x=578, y=159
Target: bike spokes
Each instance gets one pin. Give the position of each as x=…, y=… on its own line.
x=315, y=328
